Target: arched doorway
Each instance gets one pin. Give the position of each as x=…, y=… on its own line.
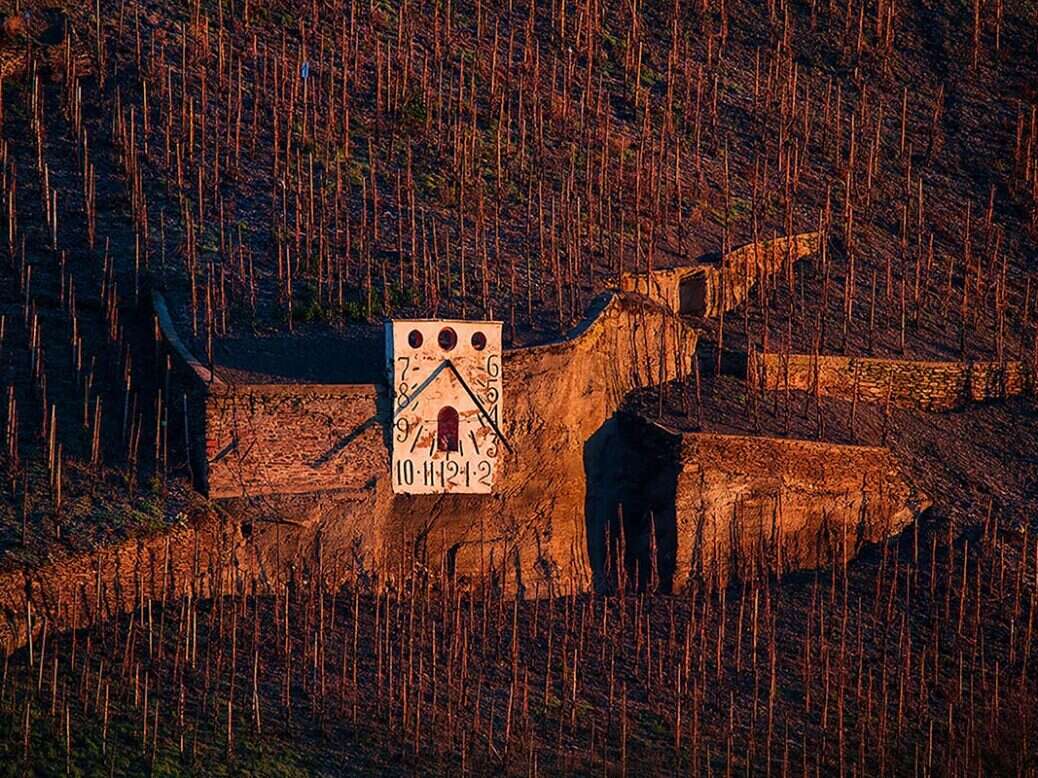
x=447, y=429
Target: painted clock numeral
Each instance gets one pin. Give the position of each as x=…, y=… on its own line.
x=405, y=472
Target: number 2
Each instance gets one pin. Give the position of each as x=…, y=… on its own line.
x=485, y=472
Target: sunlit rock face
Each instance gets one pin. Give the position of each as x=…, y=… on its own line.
x=734, y=505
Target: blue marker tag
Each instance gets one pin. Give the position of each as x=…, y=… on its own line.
x=305, y=71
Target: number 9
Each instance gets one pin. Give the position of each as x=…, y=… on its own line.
x=403, y=427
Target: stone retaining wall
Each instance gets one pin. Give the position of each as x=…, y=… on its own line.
x=293, y=438
x=741, y=504
x=94, y=587
x=727, y=283
x=317, y=453
x=933, y=386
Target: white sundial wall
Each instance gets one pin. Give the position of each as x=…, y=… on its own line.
x=445, y=379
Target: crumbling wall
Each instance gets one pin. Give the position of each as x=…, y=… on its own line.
x=933, y=386
x=728, y=282
x=293, y=438
x=747, y=504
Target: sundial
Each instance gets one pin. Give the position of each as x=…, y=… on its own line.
x=445, y=379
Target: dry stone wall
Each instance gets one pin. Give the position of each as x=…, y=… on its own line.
x=89, y=588
x=933, y=386
x=293, y=438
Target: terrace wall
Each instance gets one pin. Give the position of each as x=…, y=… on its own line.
x=321, y=451
x=90, y=588
x=293, y=438
x=728, y=282
x=932, y=386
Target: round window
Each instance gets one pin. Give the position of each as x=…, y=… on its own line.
x=414, y=339
x=479, y=341
x=447, y=339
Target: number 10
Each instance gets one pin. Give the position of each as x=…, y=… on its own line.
x=405, y=472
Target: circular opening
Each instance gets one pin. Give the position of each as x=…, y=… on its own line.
x=447, y=339
x=414, y=338
x=479, y=341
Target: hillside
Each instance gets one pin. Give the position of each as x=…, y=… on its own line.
x=289, y=175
